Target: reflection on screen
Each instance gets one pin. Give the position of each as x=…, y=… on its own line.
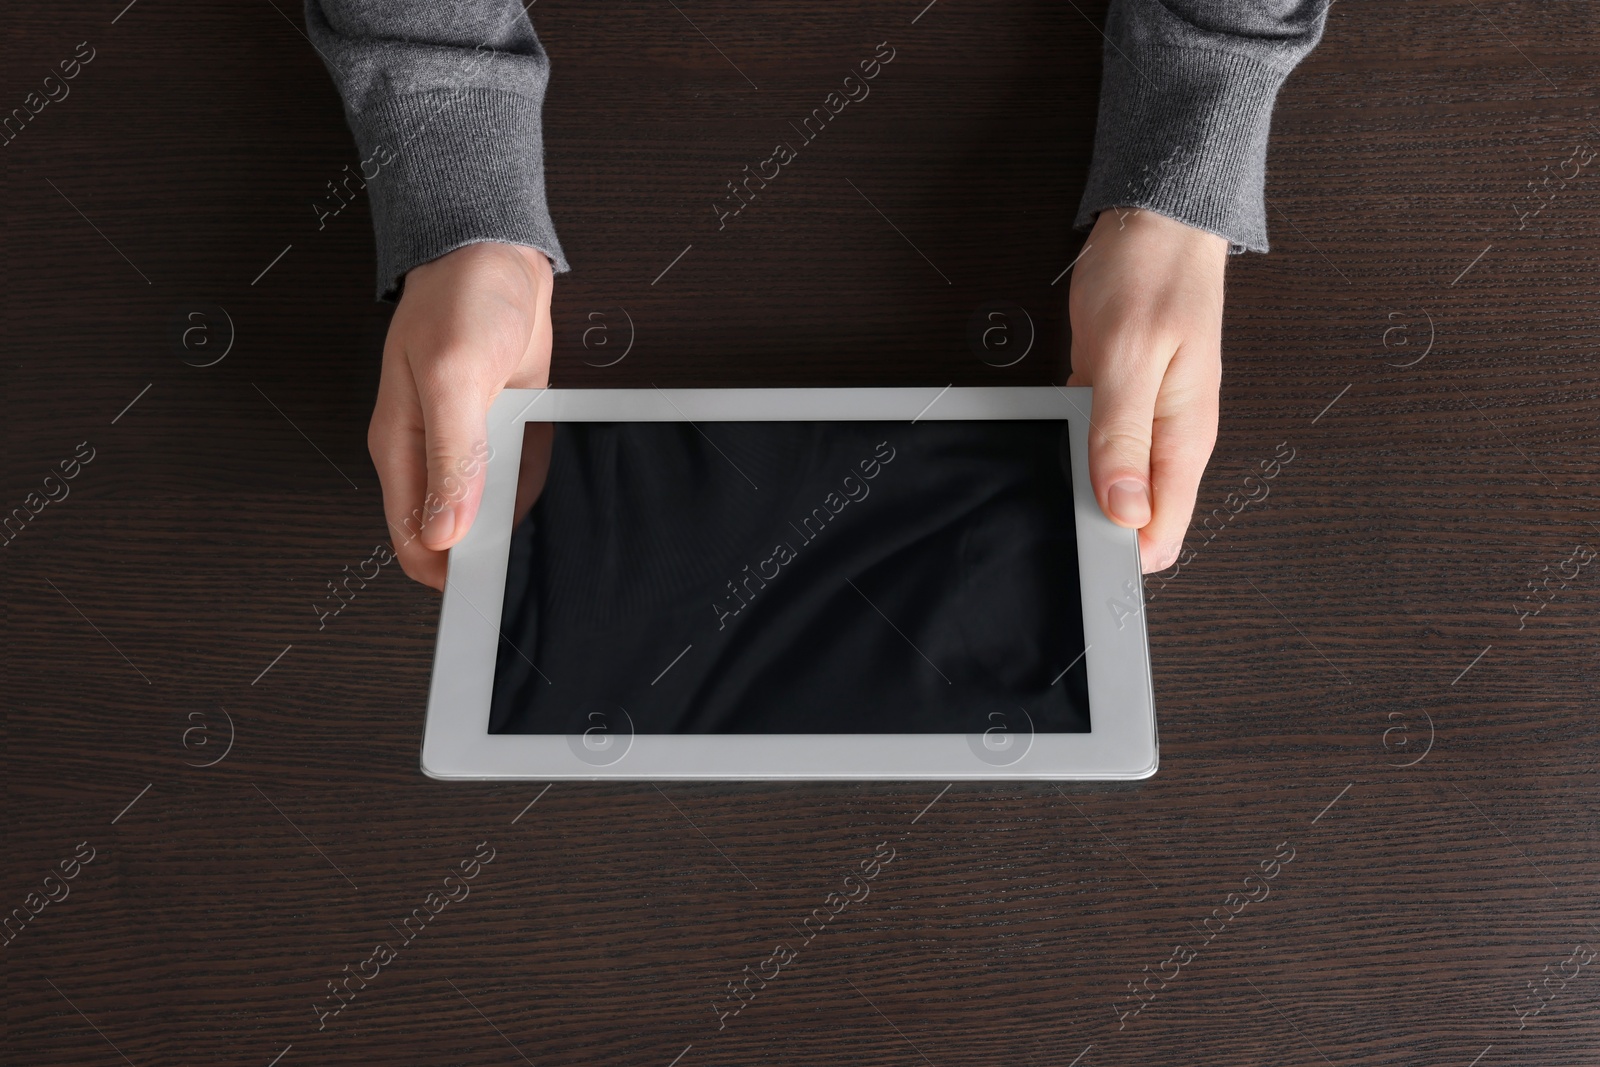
x=793, y=577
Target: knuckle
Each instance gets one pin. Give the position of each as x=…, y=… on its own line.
x=441, y=456
x=1129, y=438
x=377, y=438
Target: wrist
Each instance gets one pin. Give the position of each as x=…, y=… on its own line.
x=506, y=261
x=1144, y=222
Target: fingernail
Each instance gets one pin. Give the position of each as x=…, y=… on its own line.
x=440, y=526
x=1130, y=502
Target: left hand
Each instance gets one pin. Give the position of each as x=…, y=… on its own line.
x=470, y=323
x=1146, y=310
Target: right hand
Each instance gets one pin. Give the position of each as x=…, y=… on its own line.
x=469, y=324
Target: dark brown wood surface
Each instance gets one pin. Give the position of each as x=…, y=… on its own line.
x=1341, y=671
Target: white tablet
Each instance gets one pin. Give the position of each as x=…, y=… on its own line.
x=791, y=583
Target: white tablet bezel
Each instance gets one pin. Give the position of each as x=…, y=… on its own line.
x=1122, y=742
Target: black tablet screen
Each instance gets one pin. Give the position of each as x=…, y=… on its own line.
x=792, y=577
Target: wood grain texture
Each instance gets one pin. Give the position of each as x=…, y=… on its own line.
x=1312, y=647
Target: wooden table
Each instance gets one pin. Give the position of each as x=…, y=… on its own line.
x=1344, y=673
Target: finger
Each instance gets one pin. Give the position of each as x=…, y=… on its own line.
x=455, y=406
x=1120, y=421
x=395, y=441
x=1183, y=434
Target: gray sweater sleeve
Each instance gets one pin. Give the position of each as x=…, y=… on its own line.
x=444, y=100
x=1185, y=107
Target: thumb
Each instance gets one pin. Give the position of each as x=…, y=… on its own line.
x=455, y=427
x=1123, y=413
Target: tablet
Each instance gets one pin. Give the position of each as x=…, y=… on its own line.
x=887, y=583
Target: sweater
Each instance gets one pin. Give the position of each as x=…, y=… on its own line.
x=446, y=97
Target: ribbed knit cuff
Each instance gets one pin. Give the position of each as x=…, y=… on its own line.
x=1183, y=132
x=453, y=167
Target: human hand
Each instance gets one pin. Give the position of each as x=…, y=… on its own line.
x=1146, y=309
x=470, y=323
